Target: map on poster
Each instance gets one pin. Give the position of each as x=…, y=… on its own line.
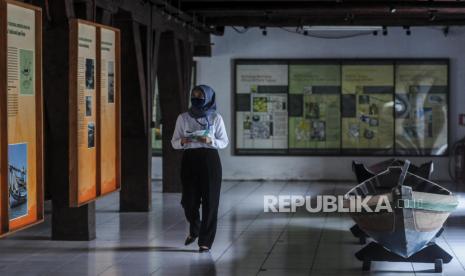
x=421, y=108
x=367, y=107
x=261, y=107
x=314, y=107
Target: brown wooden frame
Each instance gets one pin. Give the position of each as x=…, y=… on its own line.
x=73, y=108
x=4, y=201
x=117, y=106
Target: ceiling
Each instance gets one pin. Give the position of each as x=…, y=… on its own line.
x=219, y=13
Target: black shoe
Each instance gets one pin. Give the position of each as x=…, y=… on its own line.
x=204, y=249
x=190, y=239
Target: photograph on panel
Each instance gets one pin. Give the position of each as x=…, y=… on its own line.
x=111, y=82
x=88, y=106
x=90, y=78
x=91, y=135
x=17, y=180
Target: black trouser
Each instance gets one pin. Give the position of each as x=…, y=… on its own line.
x=201, y=183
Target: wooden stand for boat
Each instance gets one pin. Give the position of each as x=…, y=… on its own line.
x=430, y=254
x=358, y=233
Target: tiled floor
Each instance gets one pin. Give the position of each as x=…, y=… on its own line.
x=249, y=241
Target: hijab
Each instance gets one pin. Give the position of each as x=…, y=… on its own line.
x=203, y=108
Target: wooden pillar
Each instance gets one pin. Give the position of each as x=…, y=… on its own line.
x=135, y=195
x=173, y=98
x=67, y=223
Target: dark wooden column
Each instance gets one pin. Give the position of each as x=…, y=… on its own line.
x=173, y=98
x=135, y=195
x=67, y=223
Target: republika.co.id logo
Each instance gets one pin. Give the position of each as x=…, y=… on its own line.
x=329, y=203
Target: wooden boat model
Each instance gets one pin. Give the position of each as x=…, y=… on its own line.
x=419, y=209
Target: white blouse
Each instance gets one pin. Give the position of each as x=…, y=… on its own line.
x=186, y=126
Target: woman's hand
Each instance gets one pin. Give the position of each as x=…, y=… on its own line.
x=205, y=139
x=185, y=140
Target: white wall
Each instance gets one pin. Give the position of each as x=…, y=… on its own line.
x=217, y=72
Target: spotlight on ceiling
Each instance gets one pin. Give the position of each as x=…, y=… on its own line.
x=385, y=32
x=432, y=16
x=407, y=30
x=392, y=9
x=445, y=31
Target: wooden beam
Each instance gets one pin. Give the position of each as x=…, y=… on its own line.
x=135, y=195
x=173, y=101
x=67, y=223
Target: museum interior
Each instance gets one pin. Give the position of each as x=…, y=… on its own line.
x=232, y=137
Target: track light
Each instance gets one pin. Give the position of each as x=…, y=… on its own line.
x=385, y=32
x=392, y=9
x=446, y=31
x=349, y=17
x=407, y=30
x=432, y=16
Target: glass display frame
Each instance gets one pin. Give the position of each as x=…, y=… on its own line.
x=340, y=151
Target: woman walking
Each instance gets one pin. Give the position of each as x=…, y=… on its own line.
x=200, y=132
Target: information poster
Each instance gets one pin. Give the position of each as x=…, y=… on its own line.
x=109, y=120
x=86, y=112
x=314, y=108
x=367, y=108
x=421, y=108
x=24, y=120
x=261, y=108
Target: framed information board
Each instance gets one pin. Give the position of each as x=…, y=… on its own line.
x=261, y=107
x=314, y=107
x=21, y=119
x=94, y=113
x=109, y=141
x=341, y=107
x=367, y=110
x=421, y=109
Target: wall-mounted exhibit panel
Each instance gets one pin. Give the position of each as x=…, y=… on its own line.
x=21, y=119
x=341, y=107
x=367, y=108
x=421, y=109
x=261, y=105
x=94, y=132
x=109, y=110
x=314, y=108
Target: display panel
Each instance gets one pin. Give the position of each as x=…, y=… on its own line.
x=261, y=108
x=94, y=112
x=341, y=107
x=421, y=107
x=109, y=91
x=83, y=117
x=314, y=108
x=21, y=135
x=367, y=108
